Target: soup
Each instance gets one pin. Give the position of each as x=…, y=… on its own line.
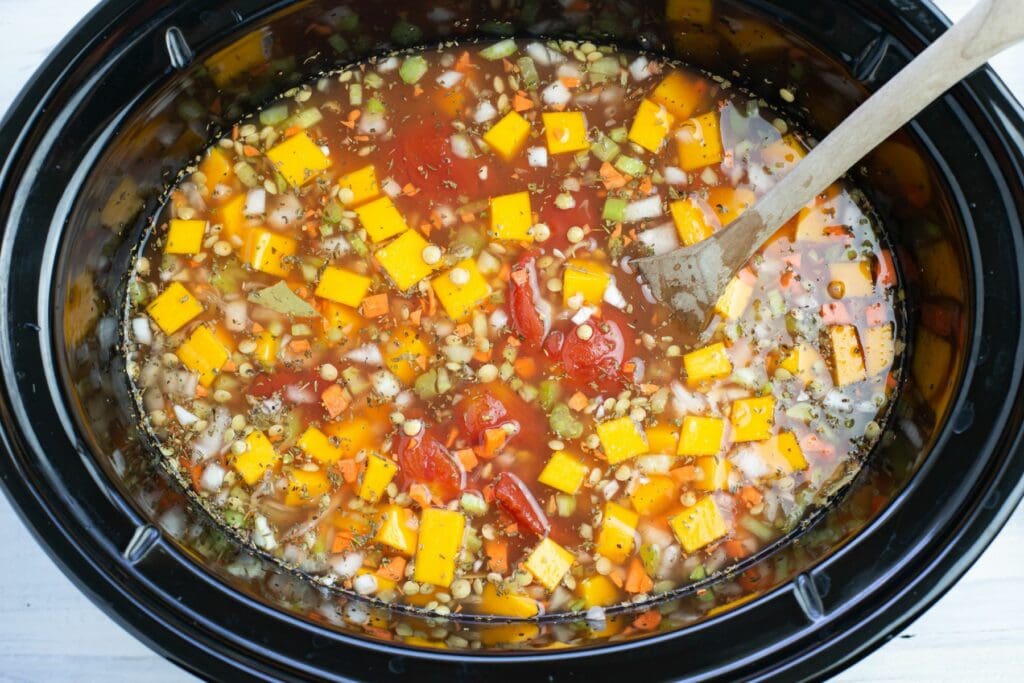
x=389, y=331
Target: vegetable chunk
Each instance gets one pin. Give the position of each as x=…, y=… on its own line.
x=622, y=439
x=173, y=308
x=549, y=562
x=298, y=159
x=440, y=538
x=508, y=135
x=699, y=525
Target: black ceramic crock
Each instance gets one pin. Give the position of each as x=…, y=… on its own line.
x=140, y=86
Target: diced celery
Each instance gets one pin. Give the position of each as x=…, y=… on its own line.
x=338, y=43
x=355, y=94
x=604, y=148
x=650, y=555
x=412, y=69
x=565, y=504
x=333, y=213
x=528, y=72
x=605, y=68
x=426, y=385
x=307, y=118
x=499, y=50
x=630, y=166
x=564, y=424
x=619, y=135
x=614, y=210
x=358, y=246
x=473, y=504
x=246, y=174
x=373, y=80
x=549, y=391
x=758, y=528
x=776, y=303
x=405, y=33
x=375, y=106
x=699, y=574
x=271, y=116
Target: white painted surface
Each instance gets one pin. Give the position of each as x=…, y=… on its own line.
x=51, y=632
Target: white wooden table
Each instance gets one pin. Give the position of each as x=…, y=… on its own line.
x=51, y=632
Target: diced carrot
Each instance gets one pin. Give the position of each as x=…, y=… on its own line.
x=522, y=103
x=497, y=555
x=420, y=495
x=250, y=151
x=229, y=366
x=463, y=330
x=415, y=316
x=525, y=367
x=786, y=278
x=684, y=474
x=464, y=63
x=648, y=621
x=257, y=328
x=735, y=550
x=628, y=367
x=645, y=186
x=482, y=356
x=618, y=577
x=196, y=472
x=751, y=496
x=468, y=458
x=349, y=470
x=637, y=580
x=299, y=345
x=494, y=439
x=410, y=190
x=570, y=81
x=378, y=632
x=611, y=177
x=375, y=306
x=292, y=130
x=334, y=400
x=342, y=541
x=201, y=391
x=393, y=569
x=578, y=401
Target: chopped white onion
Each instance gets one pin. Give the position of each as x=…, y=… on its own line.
x=482, y=173
x=387, y=65
x=347, y=565
x=373, y=124
x=537, y=157
x=674, y=175
x=141, y=331
x=385, y=384
x=364, y=584
x=583, y=315
x=286, y=211
x=391, y=187
x=485, y=111
x=368, y=354
x=595, y=614
x=213, y=477
x=613, y=296
x=750, y=462
x=556, y=94
x=263, y=535
x=184, y=417
x=661, y=239
x=236, y=316
x=336, y=245
x=357, y=612
x=297, y=393
x=462, y=146
x=643, y=209
x=638, y=68
x=256, y=202
x=499, y=318
x=448, y=79
x=544, y=55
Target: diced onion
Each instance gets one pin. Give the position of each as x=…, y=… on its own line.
x=385, y=384
x=537, y=157
x=544, y=55
x=643, y=209
x=485, y=111
x=674, y=175
x=387, y=65
x=448, y=79
x=750, y=462
x=373, y=124
x=368, y=354
x=236, y=316
x=661, y=240
x=256, y=202
x=141, y=331
x=391, y=187
x=613, y=296
x=184, y=417
x=583, y=315
x=556, y=94
x=347, y=565
x=213, y=477
x=638, y=68
x=364, y=584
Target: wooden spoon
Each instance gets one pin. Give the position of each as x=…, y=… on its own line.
x=691, y=280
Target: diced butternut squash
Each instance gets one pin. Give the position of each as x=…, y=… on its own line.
x=398, y=529
x=232, y=221
x=847, y=358
x=305, y=488
x=618, y=530
x=714, y=473
x=381, y=219
x=342, y=286
x=174, y=307
x=729, y=203
x=654, y=496
x=298, y=159
x=505, y=601
x=342, y=318
x=734, y=299
x=440, y=539
x=621, y=439
x=752, y=419
x=679, y=94
x=267, y=346
x=185, y=237
x=781, y=155
x=879, y=349
x=379, y=473
x=700, y=435
x=404, y=354
x=693, y=11
x=586, y=278
x=700, y=142
x=691, y=224
x=662, y=438
x=855, y=278
x=565, y=131
x=549, y=562
x=512, y=217
x=709, y=362
x=402, y=260
x=800, y=361
x=786, y=450
x=651, y=125
x=353, y=435
x=317, y=445
x=461, y=289
x=563, y=472
x=508, y=135
x=259, y=456
x=216, y=169
x=203, y=354
x=698, y=525
x=361, y=183
x=266, y=251
x=598, y=591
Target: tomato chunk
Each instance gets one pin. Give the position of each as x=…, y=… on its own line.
x=482, y=412
x=516, y=499
x=529, y=314
x=423, y=156
x=423, y=459
x=302, y=382
x=594, y=356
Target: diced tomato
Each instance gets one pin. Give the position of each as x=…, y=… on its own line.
x=597, y=359
x=530, y=315
x=422, y=155
x=423, y=459
x=266, y=385
x=516, y=499
x=480, y=413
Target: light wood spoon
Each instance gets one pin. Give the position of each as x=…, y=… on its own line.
x=691, y=279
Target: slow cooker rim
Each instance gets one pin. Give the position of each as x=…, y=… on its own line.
x=27, y=500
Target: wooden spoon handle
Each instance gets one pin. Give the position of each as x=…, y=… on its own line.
x=988, y=28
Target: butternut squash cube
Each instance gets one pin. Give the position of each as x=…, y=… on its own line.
x=440, y=539
x=700, y=142
x=402, y=260
x=185, y=237
x=856, y=278
x=621, y=439
x=353, y=435
x=363, y=185
x=266, y=251
x=203, y=354
x=709, y=362
x=662, y=438
x=679, y=94
x=563, y=472
x=403, y=353
x=512, y=217
x=812, y=222
x=508, y=135
x=379, y=473
x=174, y=307
x=381, y=219
x=847, y=358
x=700, y=435
x=752, y=419
x=318, y=446
x=267, y=346
x=598, y=591
x=460, y=295
x=586, y=278
x=505, y=602
x=651, y=126
x=216, y=169
x=729, y=203
x=786, y=447
x=259, y=456
x=565, y=131
x=879, y=350
x=298, y=159
x=782, y=154
x=549, y=562
x=342, y=286
x=398, y=529
x=618, y=529
x=734, y=299
x=654, y=496
x=305, y=488
x=698, y=525
x=714, y=473
x=231, y=217
x=690, y=221
x=342, y=318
